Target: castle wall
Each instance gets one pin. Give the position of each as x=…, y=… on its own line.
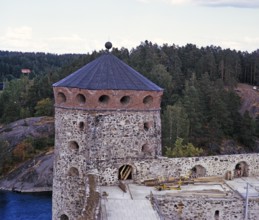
x=106, y=135
x=85, y=137
x=146, y=168
x=204, y=207
x=200, y=208
x=105, y=130
x=253, y=209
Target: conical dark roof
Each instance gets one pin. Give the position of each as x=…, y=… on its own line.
x=107, y=73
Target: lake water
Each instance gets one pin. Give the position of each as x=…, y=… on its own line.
x=17, y=206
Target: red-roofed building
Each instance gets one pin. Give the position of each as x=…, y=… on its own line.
x=25, y=71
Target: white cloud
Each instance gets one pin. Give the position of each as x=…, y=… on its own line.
x=230, y=3
x=20, y=39
x=252, y=40
x=173, y=2
x=211, y=3
x=66, y=39
x=19, y=33
x=17, y=37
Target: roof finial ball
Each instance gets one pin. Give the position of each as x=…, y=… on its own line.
x=108, y=45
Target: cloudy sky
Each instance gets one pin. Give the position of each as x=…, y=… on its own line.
x=81, y=26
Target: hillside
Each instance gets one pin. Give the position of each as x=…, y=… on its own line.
x=249, y=99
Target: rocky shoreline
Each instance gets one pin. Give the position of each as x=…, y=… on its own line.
x=32, y=190
x=32, y=176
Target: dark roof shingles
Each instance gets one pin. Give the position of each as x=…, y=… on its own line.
x=107, y=73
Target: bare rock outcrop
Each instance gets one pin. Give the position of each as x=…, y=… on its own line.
x=34, y=174
x=17, y=131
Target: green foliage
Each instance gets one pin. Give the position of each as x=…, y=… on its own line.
x=175, y=124
x=199, y=102
x=41, y=143
x=247, y=131
x=44, y=107
x=181, y=150
x=13, y=100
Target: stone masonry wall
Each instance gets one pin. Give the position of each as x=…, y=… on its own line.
x=253, y=209
x=85, y=137
x=146, y=168
x=200, y=208
x=92, y=135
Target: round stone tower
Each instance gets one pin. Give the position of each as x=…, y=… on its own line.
x=105, y=111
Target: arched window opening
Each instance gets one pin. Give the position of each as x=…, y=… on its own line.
x=61, y=98
x=241, y=170
x=216, y=215
x=147, y=126
x=81, y=125
x=104, y=99
x=125, y=172
x=198, y=171
x=73, y=172
x=125, y=100
x=148, y=100
x=73, y=145
x=80, y=99
x=64, y=217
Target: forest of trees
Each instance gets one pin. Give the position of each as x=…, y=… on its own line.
x=199, y=106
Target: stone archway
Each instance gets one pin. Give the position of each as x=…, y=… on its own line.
x=241, y=169
x=64, y=217
x=125, y=172
x=198, y=171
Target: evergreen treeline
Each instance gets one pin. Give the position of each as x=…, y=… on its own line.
x=199, y=104
x=11, y=63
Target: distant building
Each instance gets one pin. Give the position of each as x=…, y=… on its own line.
x=25, y=71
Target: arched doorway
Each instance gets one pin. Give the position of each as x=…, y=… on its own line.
x=216, y=215
x=198, y=171
x=241, y=169
x=125, y=172
x=64, y=217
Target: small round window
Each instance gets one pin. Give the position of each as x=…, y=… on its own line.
x=61, y=97
x=147, y=125
x=148, y=99
x=125, y=100
x=146, y=148
x=73, y=172
x=80, y=98
x=73, y=145
x=104, y=99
